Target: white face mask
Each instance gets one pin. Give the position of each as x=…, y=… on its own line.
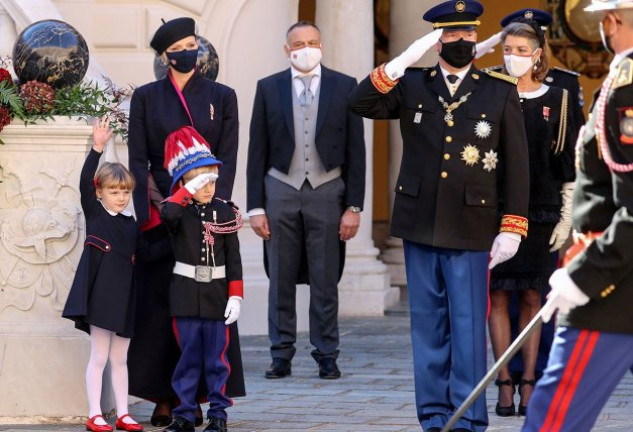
x=305, y=59
x=517, y=66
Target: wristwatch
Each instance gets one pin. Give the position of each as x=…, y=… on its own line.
x=354, y=209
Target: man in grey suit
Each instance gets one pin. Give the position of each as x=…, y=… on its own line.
x=305, y=186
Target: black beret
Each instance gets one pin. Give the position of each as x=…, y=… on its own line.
x=172, y=31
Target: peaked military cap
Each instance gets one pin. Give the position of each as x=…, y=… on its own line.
x=455, y=15
x=172, y=31
x=541, y=17
x=597, y=5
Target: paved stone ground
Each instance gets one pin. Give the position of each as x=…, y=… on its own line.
x=374, y=394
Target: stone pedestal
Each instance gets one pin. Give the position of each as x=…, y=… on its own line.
x=42, y=356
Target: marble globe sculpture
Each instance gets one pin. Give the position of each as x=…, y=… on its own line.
x=208, y=63
x=51, y=51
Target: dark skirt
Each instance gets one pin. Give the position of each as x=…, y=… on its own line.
x=153, y=351
x=532, y=266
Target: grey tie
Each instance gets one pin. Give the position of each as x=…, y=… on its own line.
x=306, y=97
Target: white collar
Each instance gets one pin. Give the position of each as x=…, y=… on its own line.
x=295, y=73
x=618, y=58
x=111, y=213
x=460, y=75
x=536, y=93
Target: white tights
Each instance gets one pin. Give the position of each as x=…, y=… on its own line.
x=106, y=345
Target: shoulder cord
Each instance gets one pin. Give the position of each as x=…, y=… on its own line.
x=562, y=123
x=214, y=227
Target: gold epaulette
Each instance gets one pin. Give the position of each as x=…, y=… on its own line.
x=381, y=81
x=514, y=224
x=503, y=77
x=567, y=71
x=625, y=74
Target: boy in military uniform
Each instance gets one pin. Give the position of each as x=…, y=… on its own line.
x=206, y=288
x=464, y=157
x=593, y=345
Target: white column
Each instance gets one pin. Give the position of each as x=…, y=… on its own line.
x=7, y=33
x=406, y=25
x=347, y=29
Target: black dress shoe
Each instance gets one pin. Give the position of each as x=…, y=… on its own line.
x=328, y=369
x=216, y=425
x=160, y=420
x=279, y=368
x=180, y=424
x=434, y=429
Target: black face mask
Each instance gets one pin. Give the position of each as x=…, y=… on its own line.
x=183, y=61
x=458, y=54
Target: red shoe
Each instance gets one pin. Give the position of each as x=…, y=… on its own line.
x=91, y=426
x=121, y=425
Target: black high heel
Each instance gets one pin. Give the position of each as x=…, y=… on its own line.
x=524, y=382
x=505, y=411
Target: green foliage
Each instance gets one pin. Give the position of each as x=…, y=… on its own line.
x=10, y=98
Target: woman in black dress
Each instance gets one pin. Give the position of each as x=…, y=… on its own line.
x=183, y=98
x=551, y=136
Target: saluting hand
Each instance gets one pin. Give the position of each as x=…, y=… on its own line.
x=349, y=225
x=101, y=133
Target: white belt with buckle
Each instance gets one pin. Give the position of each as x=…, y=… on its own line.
x=200, y=273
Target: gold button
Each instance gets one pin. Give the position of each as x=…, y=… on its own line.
x=475, y=76
x=449, y=139
x=444, y=174
x=447, y=156
x=450, y=123
x=419, y=105
x=433, y=73
x=399, y=187
x=483, y=116
x=483, y=201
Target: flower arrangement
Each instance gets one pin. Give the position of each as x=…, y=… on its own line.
x=33, y=100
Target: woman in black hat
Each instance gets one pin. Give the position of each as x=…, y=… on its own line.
x=551, y=134
x=183, y=98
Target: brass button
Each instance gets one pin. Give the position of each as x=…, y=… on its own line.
x=483, y=116
x=444, y=174
x=399, y=187
x=450, y=123
x=483, y=201
x=449, y=139
x=447, y=156
x=202, y=214
x=475, y=76
x=419, y=105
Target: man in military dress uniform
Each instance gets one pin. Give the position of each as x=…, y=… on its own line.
x=593, y=346
x=464, y=157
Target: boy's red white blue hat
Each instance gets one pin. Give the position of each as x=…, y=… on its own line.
x=185, y=149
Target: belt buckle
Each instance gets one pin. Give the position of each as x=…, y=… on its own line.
x=204, y=273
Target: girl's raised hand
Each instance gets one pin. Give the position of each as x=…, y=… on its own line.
x=101, y=133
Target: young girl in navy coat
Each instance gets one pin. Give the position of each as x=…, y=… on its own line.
x=101, y=299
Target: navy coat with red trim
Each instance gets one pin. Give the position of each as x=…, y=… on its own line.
x=448, y=189
x=184, y=220
x=603, y=202
x=103, y=292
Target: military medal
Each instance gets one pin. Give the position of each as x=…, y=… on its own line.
x=448, y=117
x=470, y=155
x=626, y=126
x=211, y=111
x=483, y=129
x=490, y=160
x=546, y=113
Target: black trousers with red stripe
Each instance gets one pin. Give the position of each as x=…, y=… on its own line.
x=203, y=343
x=584, y=368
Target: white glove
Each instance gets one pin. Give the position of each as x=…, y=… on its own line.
x=504, y=247
x=395, y=68
x=487, y=46
x=199, y=181
x=233, y=308
x=561, y=230
x=565, y=295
